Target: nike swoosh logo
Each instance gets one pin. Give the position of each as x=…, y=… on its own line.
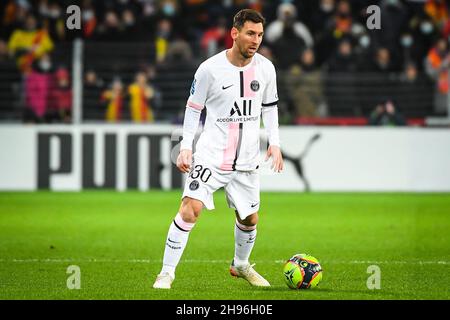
x=173, y=241
x=253, y=205
x=223, y=87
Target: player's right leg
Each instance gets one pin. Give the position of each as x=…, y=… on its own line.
x=177, y=239
x=200, y=185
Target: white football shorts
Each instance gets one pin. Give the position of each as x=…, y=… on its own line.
x=241, y=187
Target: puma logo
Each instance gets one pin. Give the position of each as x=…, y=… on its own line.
x=298, y=161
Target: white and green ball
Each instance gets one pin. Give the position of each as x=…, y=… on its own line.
x=302, y=271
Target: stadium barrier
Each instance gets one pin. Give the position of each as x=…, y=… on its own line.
x=140, y=157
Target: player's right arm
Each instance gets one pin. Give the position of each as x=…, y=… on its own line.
x=194, y=106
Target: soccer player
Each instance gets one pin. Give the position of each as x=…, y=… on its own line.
x=236, y=86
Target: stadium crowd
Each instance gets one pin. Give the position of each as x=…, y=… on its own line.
x=330, y=64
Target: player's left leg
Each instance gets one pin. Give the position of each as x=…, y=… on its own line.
x=244, y=236
x=243, y=196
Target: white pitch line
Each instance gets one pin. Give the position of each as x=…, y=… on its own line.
x=148, y=261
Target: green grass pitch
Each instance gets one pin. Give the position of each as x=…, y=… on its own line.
x=117, y=240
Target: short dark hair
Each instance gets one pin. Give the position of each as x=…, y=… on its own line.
x=247, y=15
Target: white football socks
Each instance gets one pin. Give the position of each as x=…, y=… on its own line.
x=244, y=237
x=177, y=239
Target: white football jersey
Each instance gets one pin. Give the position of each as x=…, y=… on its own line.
x=233, y=97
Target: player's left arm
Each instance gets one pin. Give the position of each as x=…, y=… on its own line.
x=270, y=120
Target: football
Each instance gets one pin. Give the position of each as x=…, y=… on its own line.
x=302, y=271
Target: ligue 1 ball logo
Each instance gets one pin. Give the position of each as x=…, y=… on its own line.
x=254, y=85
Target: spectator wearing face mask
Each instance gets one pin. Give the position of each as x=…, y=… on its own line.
x=88, y=19
x=324, y=12
x=170, y=10
x=394, y=20
x=423, y=35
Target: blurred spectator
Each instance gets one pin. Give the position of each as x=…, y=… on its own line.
x=424, y=34
x=343, y=59
x=414, y=92
x=178, y=32
x=287, y=36
x=436, y=65
x=114, y=97
x=363, y=52
x=438, y=11
x=386, y=114
x=174, y=76
x=10, y=79
x=323, y=13
x=305, y=87
x=38, y=89
x=381, y=80
x=61, y=96
x=29, y=44
x=141, y=94
x=163, y=37
x=14, y=15
x=92, y=89
x=337, y=27
x=168, y=8
x=111, y=29
x=343, y=20
x=382, y=62
x=88, y=19
x=394, y=19
x=341, y=81
x=216, y=38
x=52, y=17
x=131, y=29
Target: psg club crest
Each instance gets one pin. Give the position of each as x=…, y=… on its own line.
x=194, y=185
x=254, y=85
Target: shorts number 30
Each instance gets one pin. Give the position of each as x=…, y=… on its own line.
x=199, y=171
